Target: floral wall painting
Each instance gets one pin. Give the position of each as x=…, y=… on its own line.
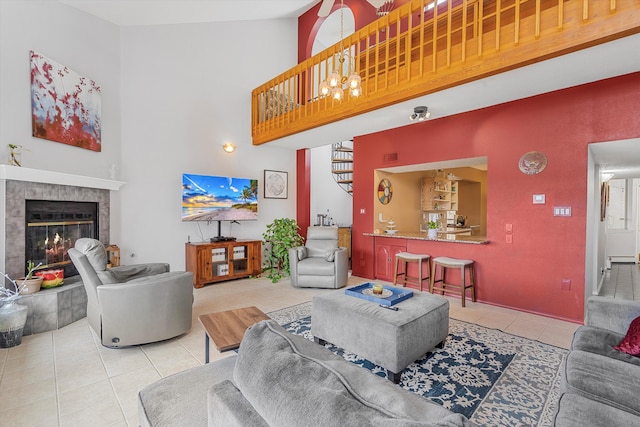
x=65, y=106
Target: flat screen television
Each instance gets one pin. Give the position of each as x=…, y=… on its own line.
x=219, y=198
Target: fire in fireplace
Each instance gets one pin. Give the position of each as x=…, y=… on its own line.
x=52, y=227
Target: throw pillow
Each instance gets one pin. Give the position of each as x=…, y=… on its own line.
x=331, y=255
x=631, y=342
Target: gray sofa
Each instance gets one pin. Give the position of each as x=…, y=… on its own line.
x=601, y=386
x=281, y=379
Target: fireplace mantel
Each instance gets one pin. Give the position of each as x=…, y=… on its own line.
x=16, y=173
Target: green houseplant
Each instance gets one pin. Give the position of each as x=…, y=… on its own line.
x=29, y=283
x=432, y=229
x=281, y=235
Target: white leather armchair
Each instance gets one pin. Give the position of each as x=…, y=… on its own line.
x=136, y=304
x=321, y=263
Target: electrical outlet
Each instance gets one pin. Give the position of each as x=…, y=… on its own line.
x=508, y=228
x=362, y=211
x=509, y=238
x=565, y=284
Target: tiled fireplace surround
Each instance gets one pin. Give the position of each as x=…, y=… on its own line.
x=50, y=308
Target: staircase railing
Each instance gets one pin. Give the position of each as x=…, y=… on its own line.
x=342, y=165
x=420, y=48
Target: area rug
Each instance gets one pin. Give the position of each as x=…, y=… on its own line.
x=492, y=377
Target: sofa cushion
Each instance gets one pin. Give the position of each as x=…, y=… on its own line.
x=316, y=267
x=578, y=411
x=631, y=342
x=597, y=371
x=301, y=253
x=601, y=341
x=331, y=255
x=291, y=381
x=181, y=399
x=228, y=408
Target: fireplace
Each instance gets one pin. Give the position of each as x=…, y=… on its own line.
x=53, y=308
x=52, y=228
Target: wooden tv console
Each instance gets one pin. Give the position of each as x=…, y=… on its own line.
x=220, y=261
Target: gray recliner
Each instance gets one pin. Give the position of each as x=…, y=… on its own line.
x=321, y=263
x=132, y=304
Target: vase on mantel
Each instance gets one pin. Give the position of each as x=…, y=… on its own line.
x=13, y=317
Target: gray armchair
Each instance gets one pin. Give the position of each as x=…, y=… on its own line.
x=132, y=304
x=320, y=263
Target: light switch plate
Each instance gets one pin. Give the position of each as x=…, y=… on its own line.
x=562, y=211
x=538, y=199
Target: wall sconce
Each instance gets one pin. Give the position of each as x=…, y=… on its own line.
x=229, y=147
x=420, y=114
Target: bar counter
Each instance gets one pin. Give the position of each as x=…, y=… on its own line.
x=443, y=236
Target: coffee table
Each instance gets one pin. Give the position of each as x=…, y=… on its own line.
x=226, y=328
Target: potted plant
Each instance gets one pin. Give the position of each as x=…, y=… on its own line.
x=15, y=154
x=432, y=229
x=281, y=235
x=30, y=283
x=13, y=316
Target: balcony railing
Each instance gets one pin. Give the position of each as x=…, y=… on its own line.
x=419, y=49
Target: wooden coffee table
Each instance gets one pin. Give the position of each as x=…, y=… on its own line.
x=226, y=328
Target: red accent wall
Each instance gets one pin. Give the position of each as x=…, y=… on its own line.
x=526, y=274
x=303, y=190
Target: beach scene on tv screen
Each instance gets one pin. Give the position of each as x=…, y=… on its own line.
x=218, y=198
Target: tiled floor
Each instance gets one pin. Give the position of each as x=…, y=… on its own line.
x=65, y=378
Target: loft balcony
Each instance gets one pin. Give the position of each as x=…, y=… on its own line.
x=420, y=49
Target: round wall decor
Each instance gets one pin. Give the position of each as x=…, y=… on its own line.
x=385, y=191
x=532, y=162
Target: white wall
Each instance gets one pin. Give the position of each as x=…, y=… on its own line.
x=186, y=91
x=171, y=96
x=325, y=192
x=88, y=46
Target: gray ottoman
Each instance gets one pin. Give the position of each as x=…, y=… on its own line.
x=390, y=339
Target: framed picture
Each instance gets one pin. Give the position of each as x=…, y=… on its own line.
x=66, y=107
x=275, y=184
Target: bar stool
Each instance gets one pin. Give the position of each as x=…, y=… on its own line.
x=462, y=265
x=406, y=258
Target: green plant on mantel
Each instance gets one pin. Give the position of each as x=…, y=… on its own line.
x=281, y=235
x=433, y=225
x=14, y=154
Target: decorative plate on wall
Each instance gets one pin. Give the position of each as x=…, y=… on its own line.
x=385, y=191
x=532, y=162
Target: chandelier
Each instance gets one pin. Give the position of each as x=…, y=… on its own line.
x=334, y=84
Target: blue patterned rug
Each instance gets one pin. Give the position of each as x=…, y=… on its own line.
x=492, y=377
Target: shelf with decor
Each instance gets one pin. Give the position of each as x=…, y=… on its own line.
x=224, y=260
x=439, y=194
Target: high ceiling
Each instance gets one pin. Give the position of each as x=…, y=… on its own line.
x=159, y=12
x=596, y=63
